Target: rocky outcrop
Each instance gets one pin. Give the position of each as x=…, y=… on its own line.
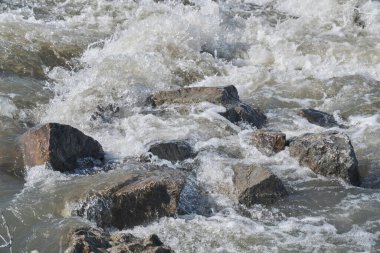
x=136, y=197
x=320, y=118
x=62, y=147
x=269, y=142
x=236, y=111
x=257, y=185
x=173, y=151
x=96, y=240
x=329, y=153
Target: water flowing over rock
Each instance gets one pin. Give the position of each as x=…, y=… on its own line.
x=138, y=197
x=320, y=118
x=95, y=240
x=62, y=147
x=172, y=151
x=269, y=142
x=257, y=185
x=329, y=153
x=236, y=111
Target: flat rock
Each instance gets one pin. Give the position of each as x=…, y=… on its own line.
x=96, y=240
x=329, y=154
x=236, y=111
x=135, y=197
x=320, y=118
x=269, y=142
x=62, y=147
x=257, y=185
x=172, y=151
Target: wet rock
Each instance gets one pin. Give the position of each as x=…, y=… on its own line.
x=62, y=147
x=329, y=153
x=236, y=111
x=105, y=113
x=320, y=118
x=257, y=185
x=96, y=240
x=173, y=150
x=269, y=142
x=138, y=197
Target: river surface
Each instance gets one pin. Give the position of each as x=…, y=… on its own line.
x=62, y=60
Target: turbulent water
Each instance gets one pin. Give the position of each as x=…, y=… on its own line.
x=62, y=60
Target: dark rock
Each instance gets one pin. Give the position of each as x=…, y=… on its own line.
x=136, y=198
x=269, y=142
x=172, y=151
x=329, y=153
x=257, y=185
x=236, y=111
x=60, y=146
x=320, y=118
x=86, y=240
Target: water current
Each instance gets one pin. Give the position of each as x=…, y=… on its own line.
x=62, y=59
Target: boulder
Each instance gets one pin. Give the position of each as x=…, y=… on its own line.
x=236, y=111
x=257, y=185
x=96, y=240
x=329, y=154
x=173, y=151
x=136, y=197
x=320, y=118
x=269, y=142
x=62, y=147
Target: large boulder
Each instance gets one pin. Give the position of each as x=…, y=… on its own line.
x=173, y=150
x=62, y=147
x=320, y=118
x=257, y=185
x=269, y=142
x=134, y=197
x=85, y=240
x=329, y=153
x=236, y=111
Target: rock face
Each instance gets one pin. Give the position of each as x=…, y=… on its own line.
x=269, y=142
x=60, y=146
x=236, y=111
x=329, y=154
x=257, y=185
x=137, y=198
x=172, y=151
x=86, y=240
x=320, y=118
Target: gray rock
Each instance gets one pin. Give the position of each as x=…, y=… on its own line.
x=172, y=151
x=136, y=197
x=236, y=111
x=269, y=142
x=329, y=153
x=320, y=118
x=62, y=147
x=257, y=185
x=85, y=240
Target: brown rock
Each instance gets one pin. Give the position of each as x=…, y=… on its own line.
x=257, y=185
x=86, y=240
x=269, y=142
x=59, y=146
x=139, y=197
x=329, y=153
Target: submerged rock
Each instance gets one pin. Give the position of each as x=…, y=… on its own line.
x=60, y=146
x=172, y=151
x=96, y=240
x=257, y=185
x=320, y=118
x=236, y=111
x=329, y=153
x=269, y=142
x=136, y=198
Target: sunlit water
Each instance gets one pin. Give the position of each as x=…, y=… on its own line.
x=60, y=60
